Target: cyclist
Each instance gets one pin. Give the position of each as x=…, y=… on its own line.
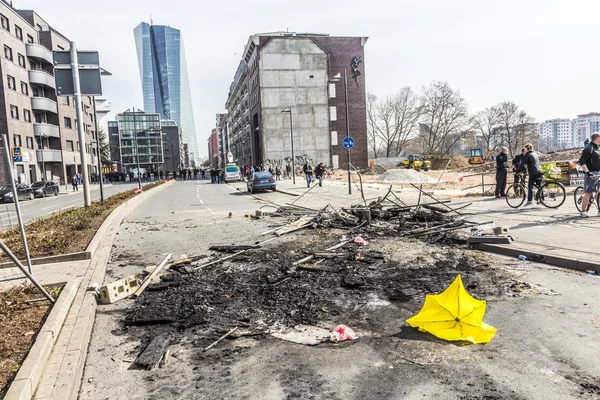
x=517, y=169
x=532, y=162
x=590, y=163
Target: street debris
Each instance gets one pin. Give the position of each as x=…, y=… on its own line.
x=359, y=240
x=342, y=333
x=454, y=315
x=303, y=334
x=154, y=352
x=118, y=290
x=221, y=338
x=154, y=273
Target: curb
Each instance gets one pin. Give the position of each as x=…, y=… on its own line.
x=30, y=373
x=538, y=256
x=82, y=255
x=288, y=193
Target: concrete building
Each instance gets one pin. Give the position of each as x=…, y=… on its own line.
x=287, y=70
x=140, y=137
x=223, y=136
x=213, y=149
x=164, y=76
x=173, y=146
x=583, y=127
x=44, y=126
x=556, y=134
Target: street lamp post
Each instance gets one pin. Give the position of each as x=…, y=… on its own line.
x=43, y=135
x=337, y=78
x=289, y=110
x=137, y=152
x=100, y=174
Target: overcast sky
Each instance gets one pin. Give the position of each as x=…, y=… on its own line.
x=542, y=54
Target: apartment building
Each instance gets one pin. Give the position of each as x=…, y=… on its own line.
x=295, y=71
x=35, y=119
x=556, y=134
x=174, y=156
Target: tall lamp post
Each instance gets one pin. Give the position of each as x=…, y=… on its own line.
x=338, y=78
x=43, y=135
x=289, y=110
x=137, y=151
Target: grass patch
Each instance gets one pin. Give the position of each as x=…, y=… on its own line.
x=67, y=231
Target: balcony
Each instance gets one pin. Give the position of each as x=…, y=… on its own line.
x=47, y=155
x=41, y=77
x=46, y=130
x=40, y=52
x=44, y=104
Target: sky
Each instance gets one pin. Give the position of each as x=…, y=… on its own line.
x=541, y=54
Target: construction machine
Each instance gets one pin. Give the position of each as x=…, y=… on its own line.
x=415, y=161
x=477, y=156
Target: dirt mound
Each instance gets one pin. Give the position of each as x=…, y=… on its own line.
x=457, y=162
x=404, y=176
x=374, y=170
x=565, y=155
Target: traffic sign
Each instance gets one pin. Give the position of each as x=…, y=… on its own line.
x=17, y=159
x=16, y=151
x=348, y=143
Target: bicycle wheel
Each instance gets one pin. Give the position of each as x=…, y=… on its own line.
x=515, y=195
x=552, y=194
x=578, y=197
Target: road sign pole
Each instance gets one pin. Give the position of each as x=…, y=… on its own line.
x=347, y=128
x=16, y=200
x=100, y=173
x=80, y=120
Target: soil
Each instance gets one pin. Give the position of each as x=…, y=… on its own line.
x=19, y=325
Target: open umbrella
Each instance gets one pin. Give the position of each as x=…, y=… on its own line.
x=454, y=315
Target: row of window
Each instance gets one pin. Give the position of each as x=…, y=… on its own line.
x=69, y=144
x=18, y=142
x=18, y=31
x=14, y=113
x=12, y=84
x=8, y=54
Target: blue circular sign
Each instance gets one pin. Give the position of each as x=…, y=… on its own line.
x=348, y=142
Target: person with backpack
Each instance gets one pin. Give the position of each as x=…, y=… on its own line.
x=308, y=172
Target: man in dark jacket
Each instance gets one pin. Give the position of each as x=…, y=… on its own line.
x=501, y=172
x=517, y=168
x=308, y=172
x=531, y=161
x=319, y=171
x=590, y=163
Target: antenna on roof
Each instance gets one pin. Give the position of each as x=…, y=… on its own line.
x=287, y=29
x=151, y=19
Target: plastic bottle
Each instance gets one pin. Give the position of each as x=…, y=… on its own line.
x=522, y=257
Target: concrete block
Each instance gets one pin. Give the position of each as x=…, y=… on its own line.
x=43, y=391
x=19, y=390
x=118, y=290
x=500, y=230
x=58, y=314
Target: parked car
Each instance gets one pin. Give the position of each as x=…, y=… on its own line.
x=262, y=181
x=23, y=191
x=44, y=188
x=232, y=173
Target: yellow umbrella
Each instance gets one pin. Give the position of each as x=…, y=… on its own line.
x=454, y=315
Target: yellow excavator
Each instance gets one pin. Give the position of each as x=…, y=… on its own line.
x=415, y=161
x=477, y=156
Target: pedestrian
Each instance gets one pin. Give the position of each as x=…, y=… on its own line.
x=189, y=172
x=590, y=163
x=319, y=171
x=75, y=183
x=277, y=173
x=501, y=172
x=586, y=143
x=308, y=172
x=156, y=175
x=288, y=171
x=203, y=172
x=161, y=174
x=518, y=169
x=532, y=162
x=195, y=173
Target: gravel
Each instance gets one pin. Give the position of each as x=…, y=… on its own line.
x=405, y=176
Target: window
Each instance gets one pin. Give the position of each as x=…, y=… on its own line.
x=5, y=24
x=27, y=115
x=30, y=143
x=69, y=145
x=8, y=53
x=332, y=90
x=11, y=82
x=29, y=39
x=34, y=65
x=78, y=149
x=17, y=139
x=334, y=138
x=65, y=100
x=38, y=27
x=67, y=122
x=24, y=88
x=60, y=47
x=21, y=59
x=18, y=33
x=333, y=113
x=14, y=112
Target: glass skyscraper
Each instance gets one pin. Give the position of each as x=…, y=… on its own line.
x=164, y=75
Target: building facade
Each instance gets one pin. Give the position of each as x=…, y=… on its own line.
x=164, y=76
x=295, y=72
x=213, y=148
x=35, y=119
x=173, y=146
x=140, y=140
x=583, y=127
x=556, y=134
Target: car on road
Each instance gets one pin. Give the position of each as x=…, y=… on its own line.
x=262, y=181
x=44, y=188
x=232, y=173
x=23, y=191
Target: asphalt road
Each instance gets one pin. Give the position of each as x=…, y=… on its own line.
x=547, y=344
x=41, y=207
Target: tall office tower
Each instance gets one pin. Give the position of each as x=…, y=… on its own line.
x=164, y=76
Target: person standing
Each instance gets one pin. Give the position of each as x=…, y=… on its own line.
x=308, y=172
x=288, y=171
x=277, y=173
x=319, y=171
x=590, y=163
x=517, y=168
x=75, y=183
x=532, y=162
x=501, y=172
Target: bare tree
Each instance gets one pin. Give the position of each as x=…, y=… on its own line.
x=408, y=112
x=518, y=127
x=444, y=118
x=105, y=147
x=372, y=125
x=486, y=123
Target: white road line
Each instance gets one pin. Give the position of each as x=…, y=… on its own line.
x=214, y=213
x=200, y=200
x=45, y=208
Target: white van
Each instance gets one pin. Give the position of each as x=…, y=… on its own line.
x=232, y=173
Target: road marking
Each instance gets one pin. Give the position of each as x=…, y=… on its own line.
x=45, y=208
x=214, y=213
x=200, y=200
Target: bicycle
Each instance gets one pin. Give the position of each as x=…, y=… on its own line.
x=578, y=197
x=550, y=193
